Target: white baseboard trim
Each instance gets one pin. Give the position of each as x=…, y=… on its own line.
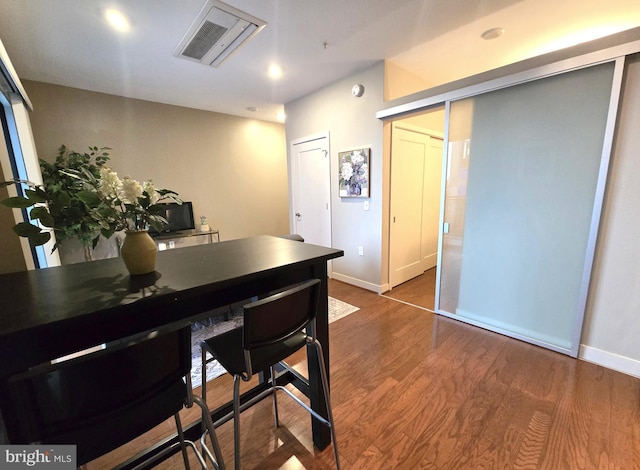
x=357, y=282
x=610, y=360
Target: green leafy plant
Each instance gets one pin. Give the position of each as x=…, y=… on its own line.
x=71, y=216
x=33, y=197
x=56, y=203
x=81, y=197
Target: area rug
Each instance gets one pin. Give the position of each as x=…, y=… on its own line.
x=339, y=309
x=229, y=318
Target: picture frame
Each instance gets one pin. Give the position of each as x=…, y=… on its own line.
x=354, y=172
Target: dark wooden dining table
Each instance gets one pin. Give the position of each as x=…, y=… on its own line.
x=51, y=312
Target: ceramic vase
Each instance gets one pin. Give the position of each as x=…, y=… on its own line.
x=139, y=252
x=354, y=189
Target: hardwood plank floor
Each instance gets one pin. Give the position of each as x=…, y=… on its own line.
x=412, y=390
x=420, y=291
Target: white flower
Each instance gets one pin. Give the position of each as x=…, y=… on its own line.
x=131, y=190
x=109, y=183
x=356, y=158
x=150, y=189
x=362, y=173
x=346, y=171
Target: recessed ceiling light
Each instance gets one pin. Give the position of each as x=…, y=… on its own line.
x=492, y=33
x=275, y=71
x=117, y=20
x=281, y=116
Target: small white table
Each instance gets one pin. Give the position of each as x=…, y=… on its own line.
x=186, y=238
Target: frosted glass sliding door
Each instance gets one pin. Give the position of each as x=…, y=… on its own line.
x=521, y=183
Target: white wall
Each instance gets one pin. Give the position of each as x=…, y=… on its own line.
x=351, y=123
x=611, y=330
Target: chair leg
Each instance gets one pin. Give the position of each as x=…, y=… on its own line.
x=236, y=421
x=325, y=390
x=183, y=446
x=207, y=424
x=218, y=462
x=274, y=397
x=204, y=374
x=203, y=391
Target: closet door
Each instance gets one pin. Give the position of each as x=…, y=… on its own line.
x=409, y=152
x=431, y=191
x=525, y=174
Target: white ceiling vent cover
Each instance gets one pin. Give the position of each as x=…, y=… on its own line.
x=217, y=32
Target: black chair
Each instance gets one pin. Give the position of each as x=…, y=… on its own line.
x=274, y=328
x=102, y=400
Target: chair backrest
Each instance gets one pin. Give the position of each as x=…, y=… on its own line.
x=103, y=399
x=293, y=236
x=279, y=316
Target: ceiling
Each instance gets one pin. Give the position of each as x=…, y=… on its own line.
x=68, y=42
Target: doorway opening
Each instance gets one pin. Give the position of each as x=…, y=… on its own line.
x=417, y=143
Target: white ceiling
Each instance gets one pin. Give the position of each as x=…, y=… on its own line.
x=67, y=42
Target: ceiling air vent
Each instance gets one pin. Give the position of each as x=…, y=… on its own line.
x=217, y=32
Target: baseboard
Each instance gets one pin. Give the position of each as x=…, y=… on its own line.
x=610, y=360
x=357, y=282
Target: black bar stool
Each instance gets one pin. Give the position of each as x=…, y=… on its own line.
x=102, y=400
x=274, y=328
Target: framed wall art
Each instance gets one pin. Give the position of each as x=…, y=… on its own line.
x=354, y=172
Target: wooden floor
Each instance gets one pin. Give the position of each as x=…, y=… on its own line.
x=412, y=390
x=420, y=291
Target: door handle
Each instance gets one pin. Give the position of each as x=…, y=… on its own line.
x=298, y=215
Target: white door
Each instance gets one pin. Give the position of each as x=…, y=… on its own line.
x=407, y=174
x=431, y=191
x=311, y=189
x=414, y=203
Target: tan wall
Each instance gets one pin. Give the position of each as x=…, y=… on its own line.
x=400, y=82
x=233, y=169
x=431, y=120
